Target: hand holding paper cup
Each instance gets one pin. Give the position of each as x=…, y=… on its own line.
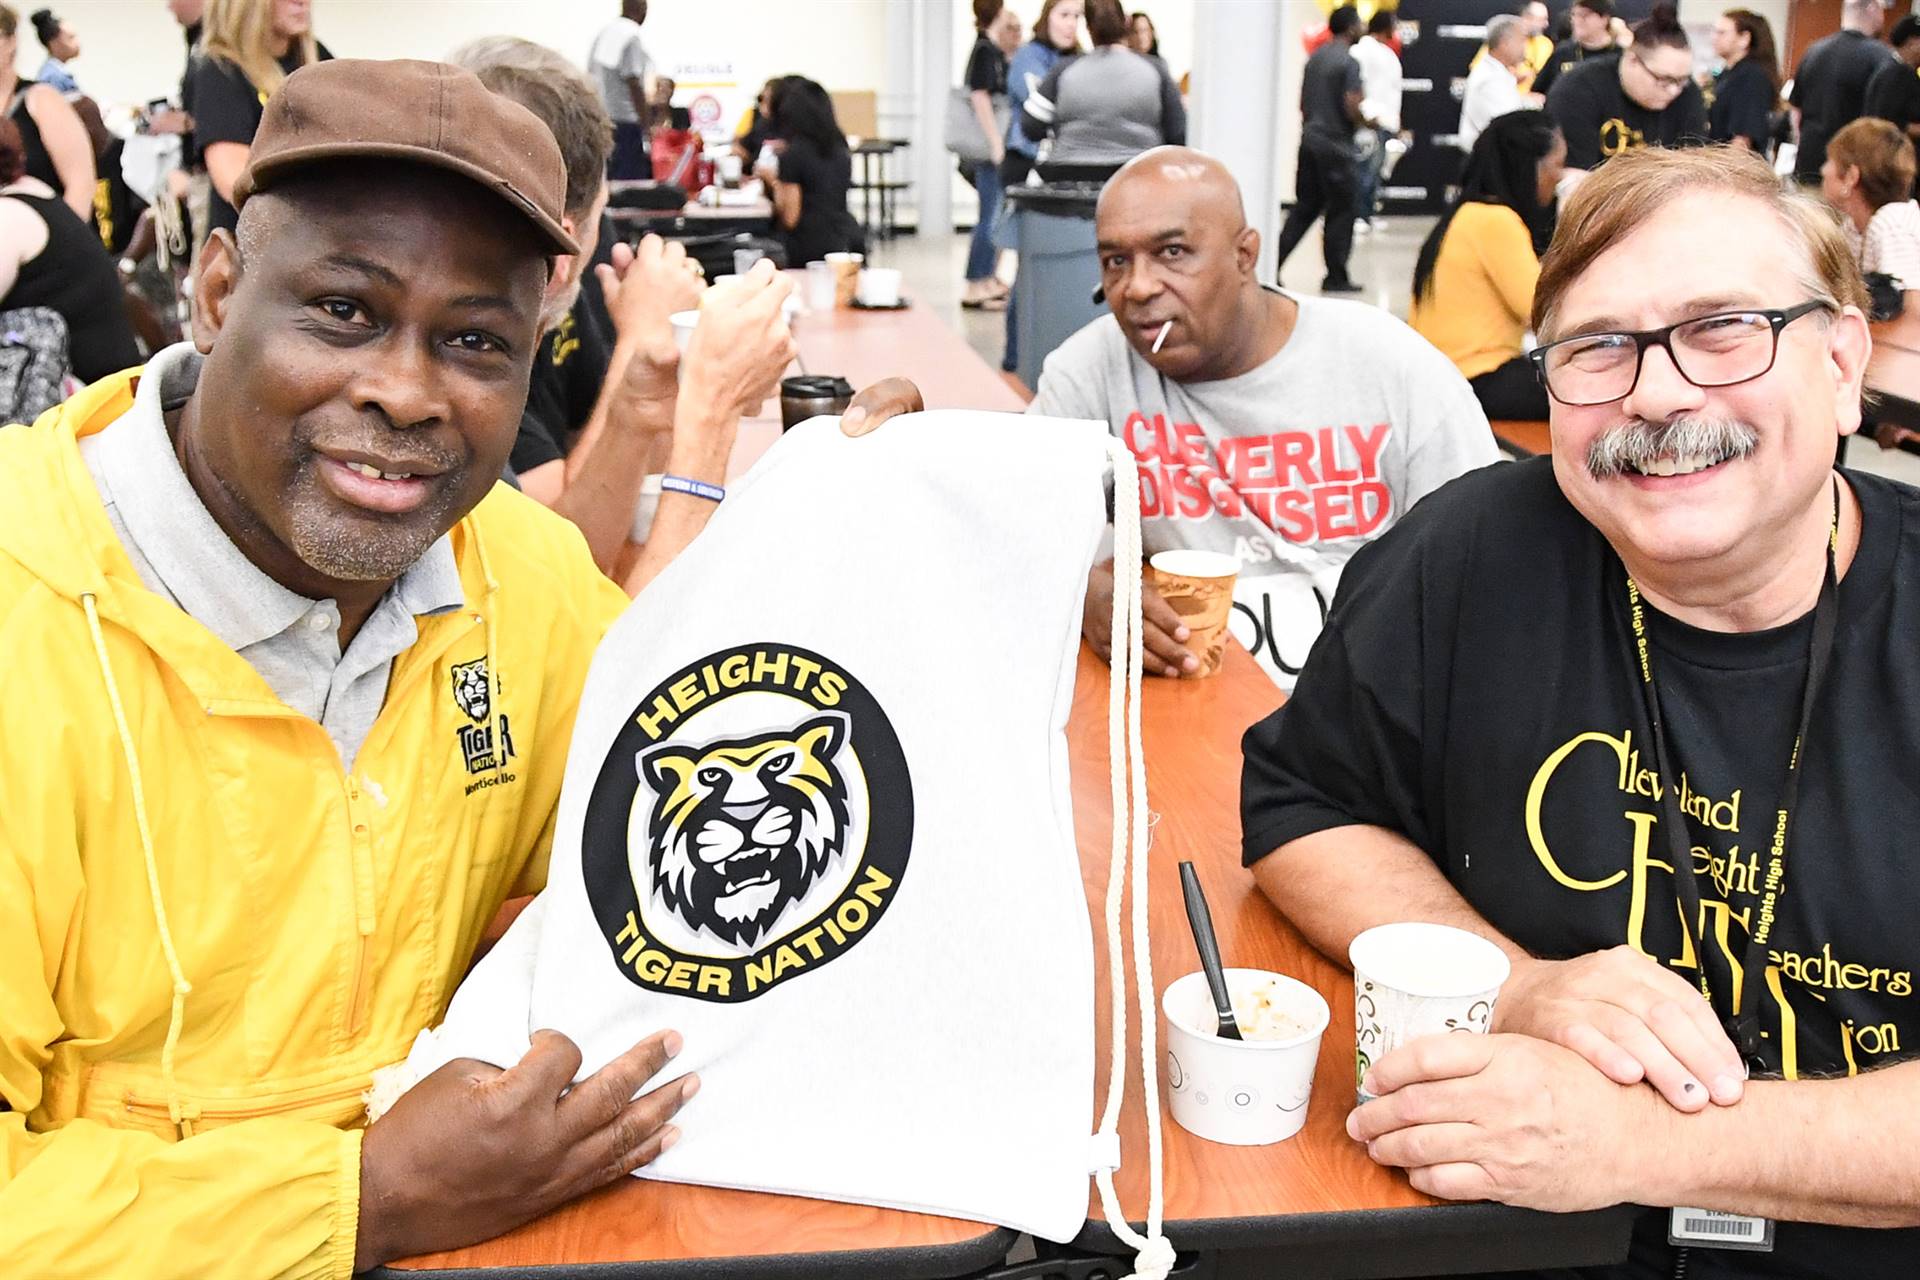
x=739, y=345
x=1198, y=585
x=1412, y=980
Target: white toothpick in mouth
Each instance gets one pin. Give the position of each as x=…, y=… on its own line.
x=1161, y=336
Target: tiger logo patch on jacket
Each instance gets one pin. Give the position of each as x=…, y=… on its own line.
x=742, y=828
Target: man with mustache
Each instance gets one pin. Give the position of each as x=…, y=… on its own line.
x=1286, y=430
x=1635, y=713
x=289, y=686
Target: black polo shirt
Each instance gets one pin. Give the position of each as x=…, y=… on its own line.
x=1830, y=88
x=1894, y=94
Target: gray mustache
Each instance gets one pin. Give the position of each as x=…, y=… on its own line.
x=1633, y=445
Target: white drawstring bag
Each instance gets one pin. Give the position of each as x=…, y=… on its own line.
x=817, y=818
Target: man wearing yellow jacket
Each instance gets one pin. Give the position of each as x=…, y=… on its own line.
x=287, y=690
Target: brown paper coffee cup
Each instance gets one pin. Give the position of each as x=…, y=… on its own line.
x=1198, y=585
x=846, y=276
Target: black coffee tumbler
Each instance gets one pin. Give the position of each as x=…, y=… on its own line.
x=809, y=395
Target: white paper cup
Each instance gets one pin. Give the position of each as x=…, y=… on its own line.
x=1244, y=1093
x=820, y=286
x=879, y=287
x=683, y=323
x=1197, y=564
x=645, y=509
x=1411, y=980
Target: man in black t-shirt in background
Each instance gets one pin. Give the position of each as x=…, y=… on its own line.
x=583, y=450
x=1325, y=181
x=1894, y=91
x=1622, y=711
x=1830, y=84
x=1646, y=97
x=1592, y=38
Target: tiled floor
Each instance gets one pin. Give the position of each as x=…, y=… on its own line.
x=1382, y=261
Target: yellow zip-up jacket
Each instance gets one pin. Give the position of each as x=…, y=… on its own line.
x=210, y=934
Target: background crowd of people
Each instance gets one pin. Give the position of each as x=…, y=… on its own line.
x=1534, y=122
x=1083, y=87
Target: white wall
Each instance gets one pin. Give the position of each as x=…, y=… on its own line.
x=132, y=49
x=1705, y=11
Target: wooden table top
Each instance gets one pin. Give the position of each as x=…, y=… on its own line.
x=1191, y=730
x=1533, y=436
x=914, y=342
x=1894, y=366
x=1317, y=1195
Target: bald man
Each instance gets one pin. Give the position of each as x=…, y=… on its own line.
x=1288, y=431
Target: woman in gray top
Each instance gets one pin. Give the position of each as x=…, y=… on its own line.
x=1106, y=107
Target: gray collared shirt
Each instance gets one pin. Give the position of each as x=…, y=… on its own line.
x=184, y=556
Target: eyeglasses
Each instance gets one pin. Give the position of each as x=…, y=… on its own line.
x=1675, y=83
x=1712, y=351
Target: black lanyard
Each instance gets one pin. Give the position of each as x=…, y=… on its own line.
x=1743, y=1020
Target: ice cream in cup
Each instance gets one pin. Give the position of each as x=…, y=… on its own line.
x=1247, y=1092
x=1411, y=980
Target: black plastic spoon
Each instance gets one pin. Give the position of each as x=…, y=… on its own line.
x=1201, y=921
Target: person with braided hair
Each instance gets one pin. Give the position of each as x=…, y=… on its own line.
x=1473, y=281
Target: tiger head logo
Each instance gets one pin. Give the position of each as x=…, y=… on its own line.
x=470, y=692
x=742, y=827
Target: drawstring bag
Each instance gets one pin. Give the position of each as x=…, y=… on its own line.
x=817, y=818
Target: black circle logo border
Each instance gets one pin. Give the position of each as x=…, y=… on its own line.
x=604, y=857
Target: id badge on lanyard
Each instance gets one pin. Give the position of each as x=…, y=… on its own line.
x=1715, y=1229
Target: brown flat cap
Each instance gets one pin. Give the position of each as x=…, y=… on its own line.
x=422, y=112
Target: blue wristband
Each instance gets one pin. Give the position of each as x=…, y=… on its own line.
x=694, y=488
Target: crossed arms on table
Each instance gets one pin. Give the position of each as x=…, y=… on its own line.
x=1607, y=1080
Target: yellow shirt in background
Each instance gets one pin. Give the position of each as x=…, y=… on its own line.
x=1481, y=294
x=1539, y=53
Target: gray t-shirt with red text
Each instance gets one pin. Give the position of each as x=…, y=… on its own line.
x=1292, y=466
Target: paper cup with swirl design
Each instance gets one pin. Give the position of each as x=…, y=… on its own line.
x=1243, y=1093
x=1411, y=980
